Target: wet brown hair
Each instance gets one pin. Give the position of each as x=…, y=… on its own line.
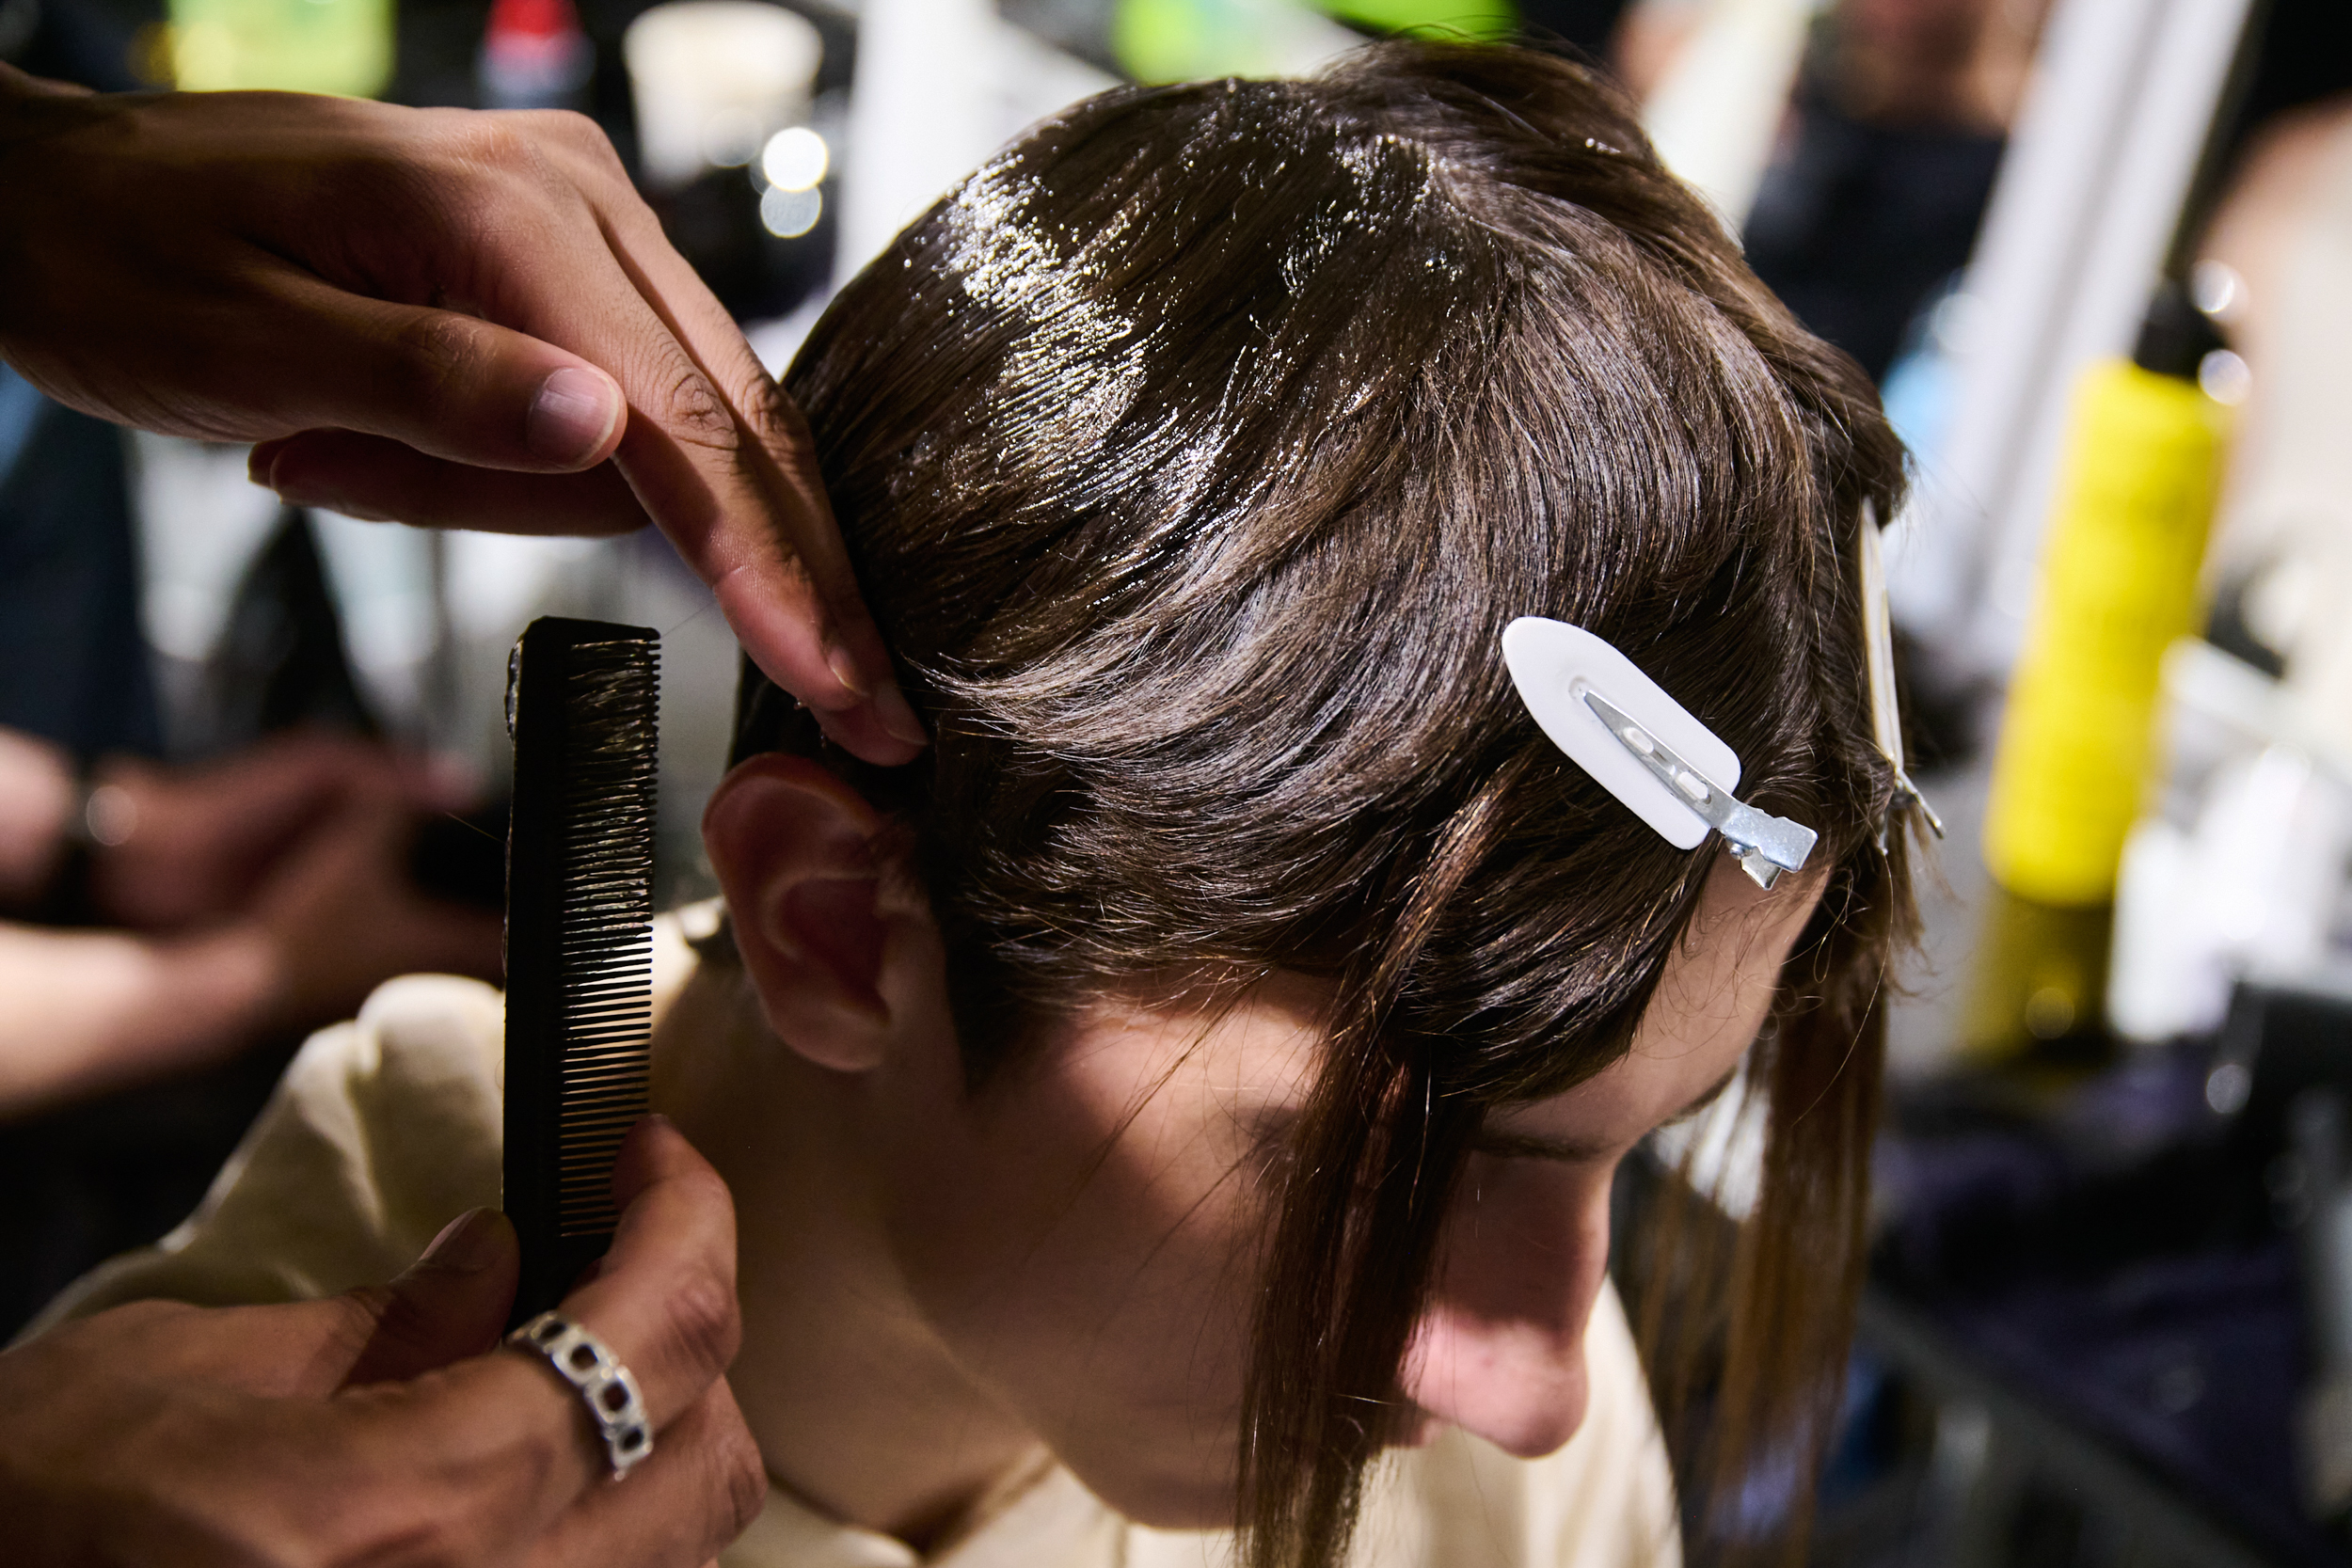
x=1194, y=453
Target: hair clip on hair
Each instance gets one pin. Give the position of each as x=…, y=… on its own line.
x=1644, y=747
x=1878, y=635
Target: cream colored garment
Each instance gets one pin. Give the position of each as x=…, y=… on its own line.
x=386, y=1127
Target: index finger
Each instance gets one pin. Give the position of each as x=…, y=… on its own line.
x=724, y=466
x=742, y=500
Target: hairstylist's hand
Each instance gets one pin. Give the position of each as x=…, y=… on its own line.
x=447, y=318
x=340, y=917
x=196, y=843
x=382, y=1427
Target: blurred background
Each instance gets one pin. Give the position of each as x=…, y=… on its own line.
x=2096, y=253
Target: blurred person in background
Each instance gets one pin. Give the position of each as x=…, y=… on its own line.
x=1886, y=160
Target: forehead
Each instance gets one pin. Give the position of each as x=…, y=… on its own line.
x=1716, y=990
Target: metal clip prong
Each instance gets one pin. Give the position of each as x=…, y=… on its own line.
x=1766, y=844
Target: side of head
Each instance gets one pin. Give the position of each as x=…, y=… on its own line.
x=1194, y=454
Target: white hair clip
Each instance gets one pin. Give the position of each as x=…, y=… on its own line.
x=1644, y=747
x=1878, y=631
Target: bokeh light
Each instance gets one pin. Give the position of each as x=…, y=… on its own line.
x=790, y=214
x=795, y=159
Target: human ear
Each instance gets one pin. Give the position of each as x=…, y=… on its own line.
x=794, y=848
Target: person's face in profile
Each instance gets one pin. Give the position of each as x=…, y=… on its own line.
x=1080, y=1237
x=1084, y=1234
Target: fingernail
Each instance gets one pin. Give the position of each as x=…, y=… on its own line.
x=572, y=414
x=898, y=717
x=845, y=669
x=466, y=1245
x=296, y=493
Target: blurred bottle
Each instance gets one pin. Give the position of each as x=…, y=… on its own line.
x=2119, y=584
x=336, y=46
x=2038, y=982
x=721, y=89
x=712, y=80
x=535, y=56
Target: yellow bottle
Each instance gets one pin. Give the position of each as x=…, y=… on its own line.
x=2118, y=584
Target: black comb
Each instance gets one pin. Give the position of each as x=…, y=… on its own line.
x=582, y=701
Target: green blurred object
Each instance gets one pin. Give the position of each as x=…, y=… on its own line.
x=342, y=47
x=1182, y=41
x=1474, y=19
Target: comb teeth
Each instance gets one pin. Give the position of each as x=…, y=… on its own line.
x=605, y=909
x=584, y=702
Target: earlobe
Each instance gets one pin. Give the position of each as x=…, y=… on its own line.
x=794, y=849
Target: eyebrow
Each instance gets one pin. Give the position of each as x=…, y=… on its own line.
x=1535, y=1146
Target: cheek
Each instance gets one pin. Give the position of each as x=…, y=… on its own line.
x=1093, y=1265
x=1528, y=1239
x=1074, y=1236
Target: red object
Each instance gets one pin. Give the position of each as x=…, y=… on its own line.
x=532, y=18
x=535, y=56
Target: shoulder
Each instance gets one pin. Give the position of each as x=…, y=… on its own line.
x=382, y=1130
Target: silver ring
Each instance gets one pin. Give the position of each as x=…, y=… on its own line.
x=582, y=1359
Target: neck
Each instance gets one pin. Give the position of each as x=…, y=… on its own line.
x=856, y=1405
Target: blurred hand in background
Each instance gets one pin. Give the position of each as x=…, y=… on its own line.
x=263, y=894
x=191, y=845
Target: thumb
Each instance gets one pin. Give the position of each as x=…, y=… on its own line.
x=447, y=383
x=451, y=1304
